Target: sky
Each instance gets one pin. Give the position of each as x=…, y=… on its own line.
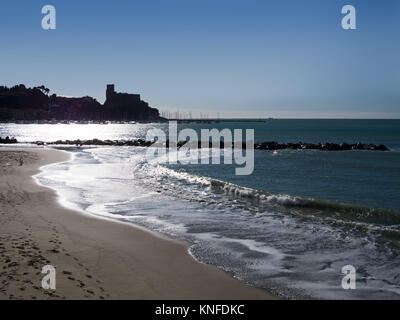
x=237, y=58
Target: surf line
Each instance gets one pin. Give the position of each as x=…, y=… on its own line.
x=189, y=153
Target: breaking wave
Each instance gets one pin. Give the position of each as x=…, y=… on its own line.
x=292, y=246
x=208, y=190
x=342, y=211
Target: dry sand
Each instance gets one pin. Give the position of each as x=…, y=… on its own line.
x=94, y=258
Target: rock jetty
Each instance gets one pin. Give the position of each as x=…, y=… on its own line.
x=8, y=140
x=269, y=145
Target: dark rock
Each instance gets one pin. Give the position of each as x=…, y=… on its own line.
x=8, y=140
x=345, y=146
x=268, y=145
x=358, y=146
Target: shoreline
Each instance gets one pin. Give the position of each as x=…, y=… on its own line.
x=95, y=258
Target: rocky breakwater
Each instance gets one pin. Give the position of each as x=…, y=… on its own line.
x=272, y=145
x=8, y=140
x=269, y=145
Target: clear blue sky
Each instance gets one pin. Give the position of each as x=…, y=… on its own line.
x=286, y=58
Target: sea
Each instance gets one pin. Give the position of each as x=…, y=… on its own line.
x=290, y=227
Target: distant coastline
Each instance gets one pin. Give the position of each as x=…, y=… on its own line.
x=20, y=103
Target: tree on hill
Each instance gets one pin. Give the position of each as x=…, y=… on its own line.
x=43, y=89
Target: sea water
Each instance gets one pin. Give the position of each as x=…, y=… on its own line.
x=289, y=227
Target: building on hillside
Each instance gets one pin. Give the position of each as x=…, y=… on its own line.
x=126, y=106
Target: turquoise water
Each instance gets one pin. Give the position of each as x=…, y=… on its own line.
x=355, y=177
x=317, y=130
x=289, y=227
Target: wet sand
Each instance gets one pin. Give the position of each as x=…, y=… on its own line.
x=94, y=258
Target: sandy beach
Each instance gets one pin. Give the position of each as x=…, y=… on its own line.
x=94, y=258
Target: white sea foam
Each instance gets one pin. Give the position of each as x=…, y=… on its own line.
x=273, y=250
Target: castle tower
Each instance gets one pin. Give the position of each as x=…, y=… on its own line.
x=110, y=91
